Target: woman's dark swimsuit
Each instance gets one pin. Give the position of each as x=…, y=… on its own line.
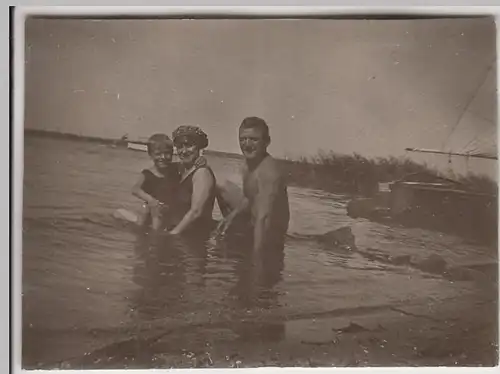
x=203, y=225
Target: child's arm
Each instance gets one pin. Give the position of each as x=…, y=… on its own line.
x=141, y=194
x=153, y=205
x=144, y=218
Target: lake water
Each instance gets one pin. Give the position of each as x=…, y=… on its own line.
x=88, y=282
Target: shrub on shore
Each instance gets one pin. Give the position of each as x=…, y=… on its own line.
x=357, y=174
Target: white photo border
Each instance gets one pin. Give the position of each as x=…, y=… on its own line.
x=168, y=9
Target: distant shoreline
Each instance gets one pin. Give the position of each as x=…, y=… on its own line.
x=63, y=135
x=328, y=171
x=94, y=139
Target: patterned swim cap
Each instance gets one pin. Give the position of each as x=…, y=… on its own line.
x=192, y=133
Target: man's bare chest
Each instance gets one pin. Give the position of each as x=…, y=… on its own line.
x=250, y=185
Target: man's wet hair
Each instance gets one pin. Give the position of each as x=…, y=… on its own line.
x=157, y=140
x=256, y=123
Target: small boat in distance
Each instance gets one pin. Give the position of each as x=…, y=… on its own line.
x=142, y=146
x=137, y=146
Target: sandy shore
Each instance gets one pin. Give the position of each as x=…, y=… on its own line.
x=452, y=332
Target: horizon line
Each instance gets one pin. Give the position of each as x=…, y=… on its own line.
x=105, y=140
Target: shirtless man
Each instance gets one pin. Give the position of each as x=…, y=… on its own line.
x=265, y=199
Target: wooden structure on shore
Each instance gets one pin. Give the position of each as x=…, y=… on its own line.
x=428, y=200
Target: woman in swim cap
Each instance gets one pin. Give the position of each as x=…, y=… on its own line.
x=196, y=196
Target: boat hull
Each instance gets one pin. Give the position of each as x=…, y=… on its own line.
x=427, y=205
x=137, y=146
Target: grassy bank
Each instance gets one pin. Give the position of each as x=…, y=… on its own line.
x=357, y=174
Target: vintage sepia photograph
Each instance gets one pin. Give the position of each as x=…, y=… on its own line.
x=259, y=192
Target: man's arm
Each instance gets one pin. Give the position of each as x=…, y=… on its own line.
x=240, y=207
x=270, y=185
x=202, y=184
x=227, y=221
x=244, y=202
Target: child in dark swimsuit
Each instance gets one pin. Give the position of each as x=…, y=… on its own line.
x=157, y=186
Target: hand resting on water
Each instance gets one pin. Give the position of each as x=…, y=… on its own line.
x=226, y=223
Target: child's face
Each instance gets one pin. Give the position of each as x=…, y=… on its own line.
x=161, y=156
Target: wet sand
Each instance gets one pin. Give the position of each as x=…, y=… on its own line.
x=452, y=332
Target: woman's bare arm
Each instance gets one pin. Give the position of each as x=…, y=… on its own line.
x=203, y=183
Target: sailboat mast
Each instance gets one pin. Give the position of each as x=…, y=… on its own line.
x=488, y=157
x=465, y=109
x=469, y=102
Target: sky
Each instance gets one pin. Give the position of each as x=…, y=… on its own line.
x=373, y=87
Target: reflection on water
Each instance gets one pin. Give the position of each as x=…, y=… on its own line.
x=170, y=270
x=89, y=283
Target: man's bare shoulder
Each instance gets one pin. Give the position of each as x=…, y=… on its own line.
x=270, y=168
